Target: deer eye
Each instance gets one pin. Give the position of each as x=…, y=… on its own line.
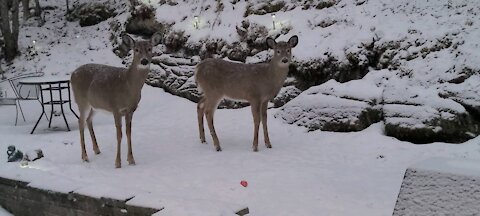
x=149, y=49
x=136, y=49
x=278, y=51
x=288, y=51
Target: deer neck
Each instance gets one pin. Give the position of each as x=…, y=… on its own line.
x=278, y=74
x=136, y=74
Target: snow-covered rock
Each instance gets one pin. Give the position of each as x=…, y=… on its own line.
x=175, y=75
x=440, y=186
x=286, y=94
x=418, y=114
x=334, y=106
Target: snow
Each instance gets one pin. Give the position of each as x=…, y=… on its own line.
x=449, y=166
x=304, y=173
x=4, y=212
x=327, y=173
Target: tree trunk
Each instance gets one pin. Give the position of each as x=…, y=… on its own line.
x=10, y=32
x=26, y=9
x=2, y=73
x=38, y=9
x=68, y=7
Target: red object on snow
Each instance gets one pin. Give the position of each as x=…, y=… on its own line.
x=244, y=183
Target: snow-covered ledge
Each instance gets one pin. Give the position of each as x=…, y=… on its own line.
x=440, y=186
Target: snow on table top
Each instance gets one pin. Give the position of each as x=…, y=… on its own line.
x=449, y=166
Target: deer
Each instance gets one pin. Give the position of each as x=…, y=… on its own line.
x=254, y=83
x=114, y=89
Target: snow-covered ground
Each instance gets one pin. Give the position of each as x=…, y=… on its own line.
x=312, y=173
x=4, y=212
x=306, y=173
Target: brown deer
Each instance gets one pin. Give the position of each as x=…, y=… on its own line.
x=114, y=89
x=255, y=83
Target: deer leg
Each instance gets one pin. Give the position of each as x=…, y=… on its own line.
x=256, y=123
x=210, y=107
x=81, y=126
x=200, y=114
x=264, y=124
x=92, y=133
x=118, y=125
x=128, y=122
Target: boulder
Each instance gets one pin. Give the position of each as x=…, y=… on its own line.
x=285, y=95
x=466, y=93
x=174, y=75
x=418, y=114
x=334, y=106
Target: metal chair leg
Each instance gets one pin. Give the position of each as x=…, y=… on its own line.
x=51, y=105
x=61, y=106
x=70, y=100
x=16, y=113
x=21, y=111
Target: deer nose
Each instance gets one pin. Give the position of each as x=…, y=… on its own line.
x=285, y=60
x=144, y=62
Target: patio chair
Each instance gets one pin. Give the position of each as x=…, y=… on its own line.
x=21, y=92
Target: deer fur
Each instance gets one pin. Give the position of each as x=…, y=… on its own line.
x=255, y=83
x=113, y=89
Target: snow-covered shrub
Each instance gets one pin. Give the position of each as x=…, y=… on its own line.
x=252, y=34
x=264, y=7
x=142, y=21
x=175, y=40
x=91, y=13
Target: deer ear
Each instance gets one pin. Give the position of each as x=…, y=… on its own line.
x=127, y=40
x=293, y=41
x=156, y=39
x=271, y=43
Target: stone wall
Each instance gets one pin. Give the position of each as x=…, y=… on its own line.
x=20, y=199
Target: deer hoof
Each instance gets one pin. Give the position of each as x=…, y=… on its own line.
x=218, y=149
x=255, y=149
x=131, y=162
x=85, y=159
x=118, y=165
x=97, y=151
x=203, y=141
x=268, y=145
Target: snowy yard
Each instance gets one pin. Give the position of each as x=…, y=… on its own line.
x=429, y=58
x=314, y=173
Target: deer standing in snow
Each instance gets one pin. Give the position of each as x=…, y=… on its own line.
x=255, y=83
x=114, y=89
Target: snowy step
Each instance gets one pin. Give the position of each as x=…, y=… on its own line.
x=184, y=207
x=440, y=186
